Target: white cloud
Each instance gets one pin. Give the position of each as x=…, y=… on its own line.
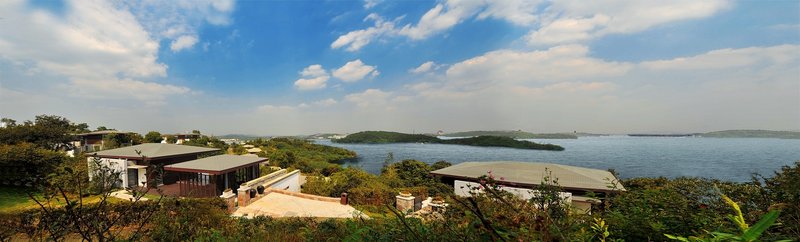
x=371, y=3
x=267, y=108
x=313, y=77
x=370, y=97
x=354, y=71
x=183, y=42
x=354, y=40
x=575, y=21
x=440, y=18
x=425, y=67
x=114, y=88
x=730, y=58
x=326, y=102
x=551, y=22
x=519, y=12
x=99, y=46
x=313, y=71
x=557, y=64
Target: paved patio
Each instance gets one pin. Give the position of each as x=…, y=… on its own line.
x=283, y=205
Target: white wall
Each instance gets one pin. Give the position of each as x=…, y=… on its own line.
x=119, y=165
x=142, y=175
x=462, y=188
x=292, y=182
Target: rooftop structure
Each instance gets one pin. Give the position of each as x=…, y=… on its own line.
x=531, y=174
x=152, y=151
x=218, y=164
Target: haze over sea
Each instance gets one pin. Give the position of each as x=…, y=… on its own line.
x=730, y=159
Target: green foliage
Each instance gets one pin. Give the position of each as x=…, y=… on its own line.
x=367, y=189
x=153, y=137
x=46, y=131
x=514, y=134
x=26, y=163
x=746, y=233
x=207, y=141
x=171, y=139
x=440, y=165
x=112, y=141
x=382, y=137
x=496, y=141
x=782, y=190
x=303, y=155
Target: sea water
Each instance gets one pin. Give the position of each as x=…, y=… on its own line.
x=730, y=159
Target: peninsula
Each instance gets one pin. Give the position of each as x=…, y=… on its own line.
x=385, y=137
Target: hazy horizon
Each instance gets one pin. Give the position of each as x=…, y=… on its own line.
x=306, y=67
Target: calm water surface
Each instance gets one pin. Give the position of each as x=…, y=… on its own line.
x=726, y=159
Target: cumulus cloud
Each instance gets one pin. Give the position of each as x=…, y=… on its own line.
x=575, y=21
x=183, y=42
x=371, y=3
x=354, y=71
x=101, y=48
x=730, y=58
x=425, y=67
x=369, y=97
x=557, y=64
x=519, y=12
x=354, y=40
x=313, y=77
x=551, y=22
x=326, y=102
x=440, y=18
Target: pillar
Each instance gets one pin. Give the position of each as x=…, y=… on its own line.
x=405, y=202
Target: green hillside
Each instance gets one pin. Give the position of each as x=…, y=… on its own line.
x=384, y=137
x=513, y=134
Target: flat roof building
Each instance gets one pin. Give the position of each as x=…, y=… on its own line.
x=523, y=178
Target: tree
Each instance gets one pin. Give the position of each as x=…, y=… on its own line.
x=47, y=131
x=440, y=165
x=153, y=137
x=195, y=131
x=102, y=128
x=26, y=163
x=171, y=139
x=63, y=214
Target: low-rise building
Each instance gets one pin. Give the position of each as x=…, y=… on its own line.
x=137, y=162
x=96, y=141
x=523, y=179
x=180, y=138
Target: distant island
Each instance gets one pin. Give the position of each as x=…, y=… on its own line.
x=513, y=134
x=752, y=134
x=385, y=137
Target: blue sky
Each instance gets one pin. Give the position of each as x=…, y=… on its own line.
x=300, y=67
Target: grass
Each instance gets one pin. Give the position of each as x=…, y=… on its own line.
x=14, y=199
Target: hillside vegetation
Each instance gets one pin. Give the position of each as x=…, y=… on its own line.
x=752, y=134
x=513, y=134
x=385, y=137
x=302, y=154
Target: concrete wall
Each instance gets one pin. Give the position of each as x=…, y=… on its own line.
x=119, y=165
x=289, y=183
x=462, y=188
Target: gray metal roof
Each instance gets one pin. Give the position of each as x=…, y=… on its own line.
x=153, y=151
x=215, y=164
x=532, y=173
x=109, y=131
